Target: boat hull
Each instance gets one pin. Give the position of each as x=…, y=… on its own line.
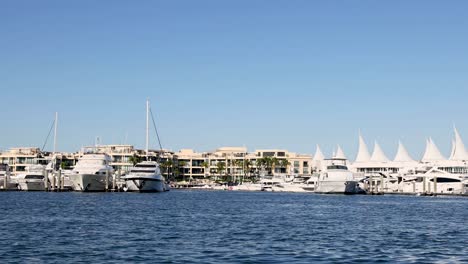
x=31, y=186
x=11, y=185
x=145, y=185
x=338, y=187
x=89, y=182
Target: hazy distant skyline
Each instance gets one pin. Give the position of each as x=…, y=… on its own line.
x=261, y=74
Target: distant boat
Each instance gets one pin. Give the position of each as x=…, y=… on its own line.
x=32, y=179
x=337, y=179
x=91, y=173
x=298, y=185
x=146, y=176
x=6, y=181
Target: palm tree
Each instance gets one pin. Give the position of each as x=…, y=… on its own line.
x=274, y=163
x=284, y=164
x=220, y=166
x=134, y=159
x=205, y=165
x=167, y=166
x=181, y=168
x=260, y=164
x=268, y=161
x=247, y=165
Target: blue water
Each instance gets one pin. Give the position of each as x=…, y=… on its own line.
x=230, y=227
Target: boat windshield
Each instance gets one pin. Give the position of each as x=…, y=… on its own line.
x=145, y=165
x=34, y=177
x=142, y=171
x=337, y=167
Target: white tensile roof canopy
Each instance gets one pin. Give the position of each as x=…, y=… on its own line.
x=339, y=153
x=318, y=154
x=363, y=153
x=402, y=154
x=458, y=148
x=378, y=155
x=432, y=152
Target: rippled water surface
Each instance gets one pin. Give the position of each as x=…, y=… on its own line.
x=221, y=227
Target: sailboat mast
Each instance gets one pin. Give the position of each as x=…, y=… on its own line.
x=55, y=132
x=147, y=127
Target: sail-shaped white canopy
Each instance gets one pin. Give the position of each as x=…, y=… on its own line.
x=363, y=152
x=402, y=154
x=378, y=155
x=452, y=152
x=339, y=153
x=318, y=154
x=432, y=152
x=459, y=151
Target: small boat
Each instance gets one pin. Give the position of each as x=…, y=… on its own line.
x=32, y=179
x=6, y=181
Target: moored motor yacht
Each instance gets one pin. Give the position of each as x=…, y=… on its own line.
x=145, y=177
x=337, y=179
x=91, y=173
x=32, y=179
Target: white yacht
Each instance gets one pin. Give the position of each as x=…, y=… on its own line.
x=434, y=181
x=6, y=181
x=269, y=181
x=146, y=177
x=91, y=173
x=32, y=179
x=298, y=185
x=247, y=186
x=337, y=179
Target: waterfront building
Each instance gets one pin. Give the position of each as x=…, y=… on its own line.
x=237, y=163
x=18, y=159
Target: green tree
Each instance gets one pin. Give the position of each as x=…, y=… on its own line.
x=134, y=159
x=167, y=166
x=220, y=167
x=274, y=163
x=205, y=166
x=181, y=168
x=284, y=164
x=247, y=166
x=260, y=164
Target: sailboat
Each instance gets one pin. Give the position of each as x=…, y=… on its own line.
x=146, y=176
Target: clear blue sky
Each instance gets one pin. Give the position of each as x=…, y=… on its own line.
x=265, y=74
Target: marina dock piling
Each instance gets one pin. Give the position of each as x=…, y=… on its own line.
x=53, y=182
x=46, y=180
x=59, y=180
x=424, y=184
x=107, y=180
x=381, y=184
x=5, y=180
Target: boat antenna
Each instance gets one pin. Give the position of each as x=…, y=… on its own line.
x=157, y=135
x=55, y=132
x=147, y=128
x=48, y=135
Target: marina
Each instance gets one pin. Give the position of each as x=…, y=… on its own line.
x=277, y=132
x=116, y=168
